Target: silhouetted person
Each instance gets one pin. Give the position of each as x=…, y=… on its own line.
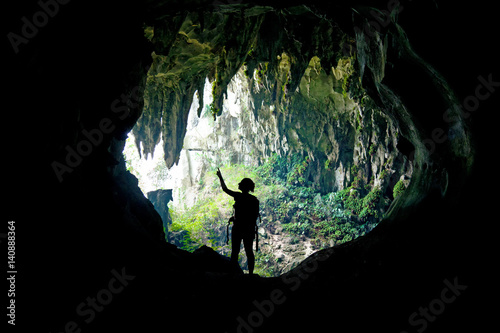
x=246, y=212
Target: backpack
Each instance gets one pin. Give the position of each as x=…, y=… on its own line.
x=246, y=213
x=246, y=210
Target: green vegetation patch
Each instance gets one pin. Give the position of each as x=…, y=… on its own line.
x=288, y=198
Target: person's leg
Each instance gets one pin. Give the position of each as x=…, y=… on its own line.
x=248, y=243
x=235, y=246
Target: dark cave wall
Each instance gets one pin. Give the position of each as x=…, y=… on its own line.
x=65, y=80
x=61, y=83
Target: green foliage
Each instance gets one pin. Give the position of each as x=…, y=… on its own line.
x=370, y=204
x=303, y=211
x=186, y=242
x=355, y=170
x=213, y=108
x=398, y=189
x=347, y=238
x=298, y=228
x=287, y=198
x=358, y=122
x=365, y=207
x=352, y=202
x=327, y=165
x=209, y=215
x=344, y=86
x=296, y=174
x=265, y=264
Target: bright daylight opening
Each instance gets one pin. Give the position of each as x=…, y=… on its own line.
x=308, y=200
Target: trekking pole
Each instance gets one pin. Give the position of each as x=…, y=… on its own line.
x=256, y=239
x=227, y=229
x=257, y=235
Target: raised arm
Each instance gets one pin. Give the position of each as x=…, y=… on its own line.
x=223, y=184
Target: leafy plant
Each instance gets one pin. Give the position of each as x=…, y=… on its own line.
x=298, y=228
x=370, y=204
x=296, y=174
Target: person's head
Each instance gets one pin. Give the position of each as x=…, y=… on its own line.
x=246, y=185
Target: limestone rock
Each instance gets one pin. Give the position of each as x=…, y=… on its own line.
x=160, y=199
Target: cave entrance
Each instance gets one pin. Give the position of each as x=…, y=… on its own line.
x=310, y=199
x=234, y=92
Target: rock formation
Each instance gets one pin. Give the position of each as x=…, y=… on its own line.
x=160, y=200
x=76, y=85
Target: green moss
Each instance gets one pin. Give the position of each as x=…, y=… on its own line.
x=344, y=72
x=398, y=189
x=327, y=165
x=370, y=204
x=355, y=170
x=358, y=122
x=149, y=32
x=214, y=109
x=260, y=72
